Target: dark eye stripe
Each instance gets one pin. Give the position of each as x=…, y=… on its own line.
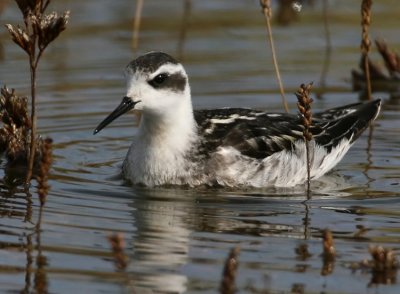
x=175, y=82
x=158, y=80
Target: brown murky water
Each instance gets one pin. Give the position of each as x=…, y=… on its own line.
x=177, y=239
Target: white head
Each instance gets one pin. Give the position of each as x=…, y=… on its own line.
x=157, y=85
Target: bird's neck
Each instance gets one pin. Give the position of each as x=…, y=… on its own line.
x=175, y=128
x=159, y=152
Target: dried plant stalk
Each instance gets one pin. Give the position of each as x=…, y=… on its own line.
x=187, y=8
x=380, y=80
x=304, y=106
x=267, y=11
x=45, y=164
x=229, y=273
x=38, y=32
x=117, y=242
x=136, y=23
x=365, y=42
x=391, y=58
x=328, y=44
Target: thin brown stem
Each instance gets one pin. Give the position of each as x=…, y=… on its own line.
x=183, y=31
x=328, y=46
x=32, y=152
x=365, y=42
x=368, y=77
x=267, y=11
x=308, y=168
x=44, y=5
x=136, y=23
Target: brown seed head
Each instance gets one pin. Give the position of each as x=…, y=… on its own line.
x=266, y=7
x=304, y=106
x=27, y=6
x=21, y=38
x=49, y=27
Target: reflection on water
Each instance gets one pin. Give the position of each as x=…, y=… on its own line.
x=178, y=239
x=161, y=244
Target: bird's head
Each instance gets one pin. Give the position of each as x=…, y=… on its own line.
x=157, y=85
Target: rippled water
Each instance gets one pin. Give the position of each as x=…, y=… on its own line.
x=177, y=239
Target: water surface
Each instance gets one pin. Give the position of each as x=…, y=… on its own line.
x=177, y=239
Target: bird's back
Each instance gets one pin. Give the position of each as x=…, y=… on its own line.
x=258, y=148
x=259, y=134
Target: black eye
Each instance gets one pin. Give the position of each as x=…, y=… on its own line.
x=159, y=80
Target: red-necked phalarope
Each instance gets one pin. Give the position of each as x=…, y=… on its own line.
x=230, y=146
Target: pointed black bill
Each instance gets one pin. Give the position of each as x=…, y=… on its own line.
x=126, y=105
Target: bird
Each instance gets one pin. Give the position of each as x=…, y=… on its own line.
x=176, y=145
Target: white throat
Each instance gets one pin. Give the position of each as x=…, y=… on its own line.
x=158, y=152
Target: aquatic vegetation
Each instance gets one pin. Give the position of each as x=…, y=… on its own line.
x=16, y=125
x=365, y=42
x=388, y=81
x=38, y=31
x=267, y=11
x=304, y=106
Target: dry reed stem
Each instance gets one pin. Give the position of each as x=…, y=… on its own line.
x=365, y=42
x=328, y=46
x=187, y=8
x=267, y=11
x=117, y=243
x=391, y=58
x=136, y=23
x=43, y=176
x=38, y=32
x=229, y=273
x=304, y=106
